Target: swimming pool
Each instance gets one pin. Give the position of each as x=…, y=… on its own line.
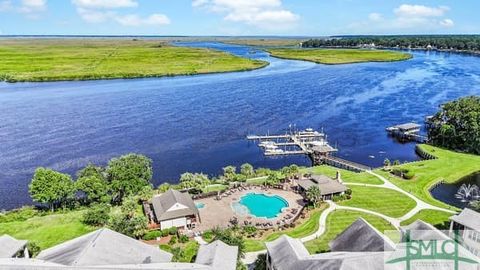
x=200, y=205
x=260, y=205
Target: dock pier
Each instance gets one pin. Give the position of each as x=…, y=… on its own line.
x=309, y=142
x=409, y=132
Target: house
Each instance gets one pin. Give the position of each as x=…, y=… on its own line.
x=467, y=224
x=218, y=255
x=12, y=248
x=328, y=187
x=175, y=209
x=104, y=247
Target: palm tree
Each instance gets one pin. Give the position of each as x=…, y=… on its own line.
x=314, y=195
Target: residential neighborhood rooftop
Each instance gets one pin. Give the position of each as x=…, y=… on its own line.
x=10, y=246
x=163, y=204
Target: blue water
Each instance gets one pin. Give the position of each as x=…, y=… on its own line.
x=199, y=123
x=261, y=205
x=200, y=205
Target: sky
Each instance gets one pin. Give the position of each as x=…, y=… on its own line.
x=238, y=17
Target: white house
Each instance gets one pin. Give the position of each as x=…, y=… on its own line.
x=467, y=223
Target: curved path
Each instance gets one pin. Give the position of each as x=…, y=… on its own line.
x=420, y=205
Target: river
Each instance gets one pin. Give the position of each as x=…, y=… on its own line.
x=199, y=123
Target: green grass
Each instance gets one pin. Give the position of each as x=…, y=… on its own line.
x=90, y=59
x=347, y=176
x=47, y=231
x=307, y=228
x=257, y=180
x=339, y=56
x=338, y=221
x=382, y=200
x=449, y=167
x=189, y=249
x=214, y=187
x=439, y=219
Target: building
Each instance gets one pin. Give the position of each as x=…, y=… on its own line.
x=175, y=209
x=107, y=250
x=104, y=247
x=328, y=187
x=467, y=223
x=13, y=248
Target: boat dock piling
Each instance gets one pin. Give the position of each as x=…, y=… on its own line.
x=407, y=132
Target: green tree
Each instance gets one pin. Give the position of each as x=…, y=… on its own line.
x=229, y=173
x=164, y=187
x=95, y=188
x=247, y=170
x=274, y=178
x=97, y=215
x=128, y=175
x=230, y=237
x=146, y=193
x=92, y=171
x=396, y=162
x=387, y=163
x=457, y=125
x=314, y=195
x=51, y=187
x=261, y=262
x=135, y=226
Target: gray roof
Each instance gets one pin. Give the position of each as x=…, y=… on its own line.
x=326, y=184
x=10, y=246
x=360, y=236
x=287, y=253
x=420, y=230
x=468, y=218
x=218, y=255
x=30, y=264
x=408, y=126
x=165, y=201
x=104, y=247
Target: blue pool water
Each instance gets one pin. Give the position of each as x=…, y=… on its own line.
x=200, y=205
x=199, y=123
x=262, y=205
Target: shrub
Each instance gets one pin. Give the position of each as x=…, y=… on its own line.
x=249, y=230
x=409, y=175
x=21, y=214
x=183, y=238
x=173, y=240
x=165, y=233
x=348, y=191
x=172, y=231
x=97, y=215
x=152, y=235
x=208, y=236
x=33, y=249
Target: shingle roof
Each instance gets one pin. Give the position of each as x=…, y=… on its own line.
x=287, y=253
x=9, y=246
x=420, y=230
x=360, y=236
x=327, y=185
x=218, y=255
x=165, y=201
x=104, y=247
x=468, y=218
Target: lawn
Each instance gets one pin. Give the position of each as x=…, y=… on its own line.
x=189, y=250
x=385, y=201
x=339, y=56
x=47, y=231
x=304, y=228
x=337, y=222
x=214, y=187
x=90, y=59
x=257, y=180
x=347, y=176
x=439, y=219
x=449, y=167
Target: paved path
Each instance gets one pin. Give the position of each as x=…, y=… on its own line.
x=420, y=205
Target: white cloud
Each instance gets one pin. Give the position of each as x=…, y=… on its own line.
x=98, y=11
x=5, y=5
x=266, y=14
x=30, y=8
x=375, y=17
x=447, y=23
x=420, y=11
x=95, y=4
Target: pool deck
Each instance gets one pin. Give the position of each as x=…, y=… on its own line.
x=217, y=213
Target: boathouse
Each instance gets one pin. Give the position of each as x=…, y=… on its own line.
x=175, y=209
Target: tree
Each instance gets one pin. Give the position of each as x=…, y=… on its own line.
x=146, y=193
x=229, y=173
x=92, y=171
x=128, y=175
x=164, y=187
x=386, y=163
x=274, y=178
x=94, y=187
x=314, y=195
x=230, y=237
x=457, y=125
x=261, y=262
x=51, y=187
x=247, y=170
x=194, y=180
x=97, y=215
x=396, y=162
x=475, y=205
x=135, y=226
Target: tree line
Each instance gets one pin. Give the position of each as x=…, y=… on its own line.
x=453, y=42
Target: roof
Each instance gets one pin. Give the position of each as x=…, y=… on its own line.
x=30, y=264
x=468, y=218
x=327, y=185
x=10, y=246
x=420, y=230
x=104, y=247
x=287, y=253
x=408, y=126
x=165, y=201
x=360, y=236
x=218, y=255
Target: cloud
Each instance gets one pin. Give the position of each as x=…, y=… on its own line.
x=95, y=4
x=30, y=8
x=265, y=14
x=99, y=11
x=405, y=19
x=5, y=5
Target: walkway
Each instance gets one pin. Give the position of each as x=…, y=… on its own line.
x=250, y=257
